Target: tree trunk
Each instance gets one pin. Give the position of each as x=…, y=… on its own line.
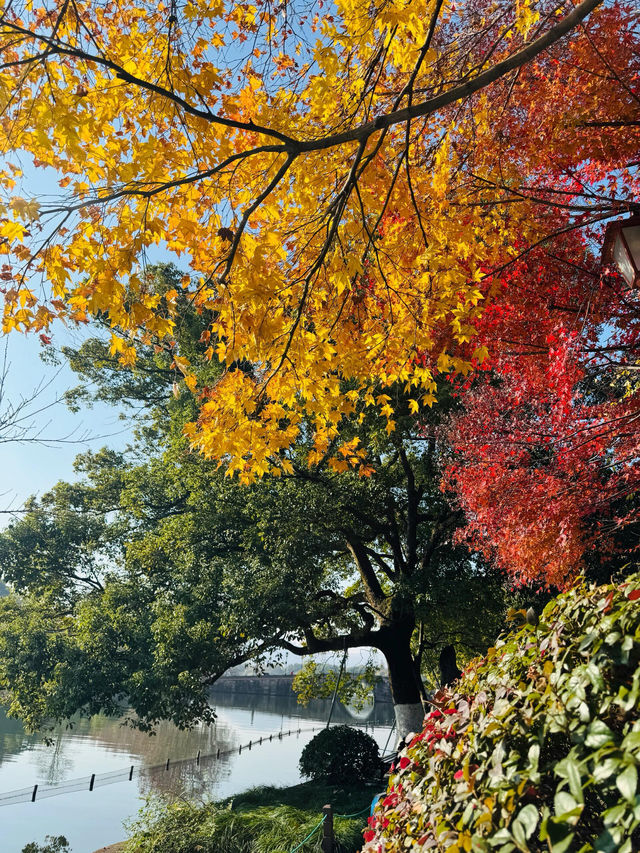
x=395, y=645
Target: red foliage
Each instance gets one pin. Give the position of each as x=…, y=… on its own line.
x=565, y=130
x=545, y=454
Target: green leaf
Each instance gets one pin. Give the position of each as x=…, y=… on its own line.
x=528, y=818
x=627, y=782
x=605, y=769
x=520, y=838
x=587, y=641
x=502, y=836
x=468, y=812
x=566, y=808
x=606, y=843
x=559, y=838
x=544, y=823
x=632, y=740
x=568, y=769
x=614, y=815
x=595, y=676
x=598, y=734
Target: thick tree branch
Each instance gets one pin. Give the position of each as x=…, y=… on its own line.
x=462, y=91
x=316, y=645
x=413, y=500
x=373, y=590
x=352, y=602
x=357, y=134
x=394, y=538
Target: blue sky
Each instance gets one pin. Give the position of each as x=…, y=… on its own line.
x=54, y=434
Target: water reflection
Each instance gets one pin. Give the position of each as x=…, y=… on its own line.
x=373, y=714
x=63, y=757
x=167, y=741
x=104, y=745
x=101, y=745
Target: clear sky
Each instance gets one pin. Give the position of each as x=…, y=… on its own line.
x=54, y=435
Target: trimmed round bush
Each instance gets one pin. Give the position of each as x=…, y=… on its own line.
x=537, y=747
x=340, y=754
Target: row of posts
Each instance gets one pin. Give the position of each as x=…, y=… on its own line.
x=240, y=748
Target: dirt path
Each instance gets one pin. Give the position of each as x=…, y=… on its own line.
x=112, y=848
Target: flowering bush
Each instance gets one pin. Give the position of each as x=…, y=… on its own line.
x=341, y=754
x=537, y=747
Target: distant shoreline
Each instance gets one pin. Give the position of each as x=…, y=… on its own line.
x=278, y=685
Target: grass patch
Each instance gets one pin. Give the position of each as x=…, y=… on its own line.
x=311, y=796
x=262, y=820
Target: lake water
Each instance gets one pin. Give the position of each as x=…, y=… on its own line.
x=92, y=819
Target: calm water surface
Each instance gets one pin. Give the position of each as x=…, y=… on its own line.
x=92, y=819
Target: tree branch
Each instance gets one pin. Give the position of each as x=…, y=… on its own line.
x=458, y=92
x=373, y=590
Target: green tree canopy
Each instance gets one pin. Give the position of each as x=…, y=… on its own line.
x=151, y=576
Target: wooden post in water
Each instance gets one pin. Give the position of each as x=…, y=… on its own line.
x=93, y=779
x=198, y=758
x=167, y=765
x=33, y=795
x=131, y=773
x=327, y=829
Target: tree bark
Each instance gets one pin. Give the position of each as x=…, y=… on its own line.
x=394, y=641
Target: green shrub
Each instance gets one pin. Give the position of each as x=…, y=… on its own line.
x=537, y=747
x=340, y=754
x=310, y=796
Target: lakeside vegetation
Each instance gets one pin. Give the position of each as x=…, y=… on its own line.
x=261, y=820
x=389, y=401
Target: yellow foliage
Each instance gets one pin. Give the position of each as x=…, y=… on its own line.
x=239, y=168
